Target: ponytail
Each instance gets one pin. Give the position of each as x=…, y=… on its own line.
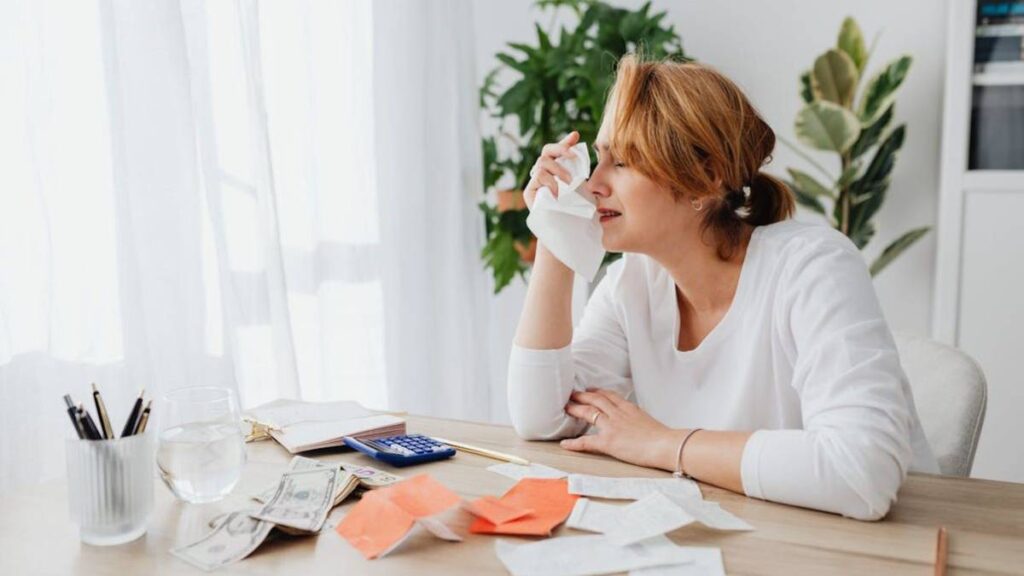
x=769, y=201
x=765, y=200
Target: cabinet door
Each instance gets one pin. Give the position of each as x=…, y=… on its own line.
x=991, y=324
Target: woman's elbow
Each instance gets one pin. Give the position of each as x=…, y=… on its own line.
x=869, y=481
x=537, y=426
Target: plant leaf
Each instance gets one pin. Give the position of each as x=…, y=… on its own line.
x=806, y=92
x=834, y=78
x=896, y=248
x=869, y=190
x=500, y=255
x=851, y=42
x=806, y=200
x=881, y=90
x=808, y=184
x=869, y=135
x=827, y=126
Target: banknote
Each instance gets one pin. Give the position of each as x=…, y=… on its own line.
x=302, y=500
x=232, y=539
x=346, y=485
x=371, y=477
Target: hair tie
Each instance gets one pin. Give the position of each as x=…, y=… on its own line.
x=734, y=199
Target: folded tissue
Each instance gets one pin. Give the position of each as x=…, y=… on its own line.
x=568, y=225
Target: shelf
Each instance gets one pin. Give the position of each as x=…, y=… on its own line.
x=994, y=180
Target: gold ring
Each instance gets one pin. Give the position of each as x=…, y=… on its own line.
x=593, y=421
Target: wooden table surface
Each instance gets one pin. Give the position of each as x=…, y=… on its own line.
x=985, y=521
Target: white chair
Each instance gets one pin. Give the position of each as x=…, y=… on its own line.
x=950, y=393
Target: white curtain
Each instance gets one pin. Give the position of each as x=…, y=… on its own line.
x=273, y=196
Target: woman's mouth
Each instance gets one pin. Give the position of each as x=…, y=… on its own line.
x=607, y=215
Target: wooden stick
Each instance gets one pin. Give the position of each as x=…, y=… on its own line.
x=941, y=550
x=484, y=452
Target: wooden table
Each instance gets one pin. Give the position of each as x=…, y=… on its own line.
x=985, y=522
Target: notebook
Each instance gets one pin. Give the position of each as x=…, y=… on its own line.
x=301, y=426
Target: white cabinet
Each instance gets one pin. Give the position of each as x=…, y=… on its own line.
x=979, y=290
x=991, y=318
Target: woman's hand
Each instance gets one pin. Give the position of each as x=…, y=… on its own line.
x=624, y=431
x=546, y=170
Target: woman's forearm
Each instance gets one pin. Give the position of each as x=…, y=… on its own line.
x=546, y=321
x=711, y=456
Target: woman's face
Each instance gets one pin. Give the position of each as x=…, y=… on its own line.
x=637, y=215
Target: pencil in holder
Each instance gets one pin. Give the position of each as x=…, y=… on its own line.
x=110, y=487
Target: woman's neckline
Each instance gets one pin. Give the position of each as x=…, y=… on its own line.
x=735, y=307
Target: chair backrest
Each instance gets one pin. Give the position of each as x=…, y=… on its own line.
x=950, y=393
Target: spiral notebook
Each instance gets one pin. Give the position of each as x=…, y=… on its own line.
x=301, y=426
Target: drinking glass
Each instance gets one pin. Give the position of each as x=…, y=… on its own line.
x=202, y=450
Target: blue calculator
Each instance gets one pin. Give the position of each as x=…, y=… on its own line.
x=402, y=450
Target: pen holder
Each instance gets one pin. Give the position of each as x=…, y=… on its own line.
x=110, y=488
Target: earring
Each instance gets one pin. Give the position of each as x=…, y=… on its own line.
x=697, y=203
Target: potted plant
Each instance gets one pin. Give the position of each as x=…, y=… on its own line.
x=559, y=84
x=859, y=131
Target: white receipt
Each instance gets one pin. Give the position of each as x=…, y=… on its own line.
x=710, y=514
x=706, y=562
x=518, y=471
x=652, y=515
x=585, y=555
x=631, y=488
x=593, y=516
x=607, y=518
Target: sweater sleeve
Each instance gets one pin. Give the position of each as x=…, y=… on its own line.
x=540, y=381
x=854, y=449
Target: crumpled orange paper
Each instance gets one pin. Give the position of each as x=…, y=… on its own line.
x=384, y=516
x=548, y=498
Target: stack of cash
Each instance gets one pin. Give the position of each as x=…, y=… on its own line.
x=298, y=504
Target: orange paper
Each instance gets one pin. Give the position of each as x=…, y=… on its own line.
x=384, y=516
x=491, y=509
x=548, y=498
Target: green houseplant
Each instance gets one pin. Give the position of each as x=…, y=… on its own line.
x=558, y=84
x=860, y=132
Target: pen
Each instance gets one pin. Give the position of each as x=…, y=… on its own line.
x=484, y=452
x=101, y=413
x=941, y=549
x=88, y=426
x=129, y=426
x=144, y=418
x=73, y=413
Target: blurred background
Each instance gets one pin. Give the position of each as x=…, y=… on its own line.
x=317, y=199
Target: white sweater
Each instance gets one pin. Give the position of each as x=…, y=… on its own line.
x=803, y=358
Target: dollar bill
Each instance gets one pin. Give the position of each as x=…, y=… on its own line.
x=371, y=477
x=232, y=539
x=347, y=484
x=302, y=500
x=366, y=476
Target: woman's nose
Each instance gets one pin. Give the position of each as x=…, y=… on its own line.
x=597, y=186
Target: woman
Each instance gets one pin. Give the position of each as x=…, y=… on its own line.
x=729, y=344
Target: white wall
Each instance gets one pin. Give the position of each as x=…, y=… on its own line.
x=764, y=46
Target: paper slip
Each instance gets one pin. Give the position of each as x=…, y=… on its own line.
x=384, y=518
x=711, y=514
x=706, y=562
x=548, y=498
x=491, y=509
x=631, y=488
x=586, y=555
x=605, y=518
x=534, y=470
x=652, y=515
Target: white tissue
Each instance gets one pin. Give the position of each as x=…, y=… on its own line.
x=569, y=226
